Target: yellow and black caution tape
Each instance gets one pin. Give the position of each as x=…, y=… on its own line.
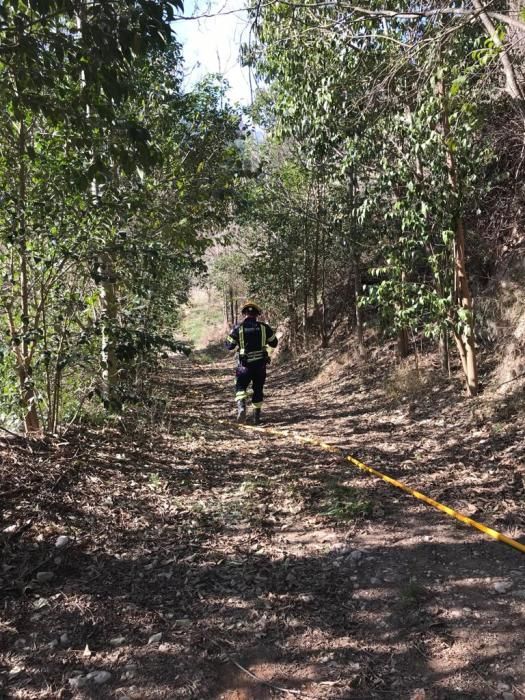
x=393, y=482
x=389, y=480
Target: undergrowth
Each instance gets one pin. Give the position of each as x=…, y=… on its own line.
x=345, y=503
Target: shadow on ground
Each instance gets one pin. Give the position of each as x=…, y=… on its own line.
x=253, y=550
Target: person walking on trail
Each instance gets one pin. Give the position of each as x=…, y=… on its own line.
x=251, y=337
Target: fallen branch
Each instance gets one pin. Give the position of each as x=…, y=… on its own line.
x=518, y=376
x=13, y=492
x=10, y=432
x=259, y=680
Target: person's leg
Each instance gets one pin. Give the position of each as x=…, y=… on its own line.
x=242, y=380
x=259, y=377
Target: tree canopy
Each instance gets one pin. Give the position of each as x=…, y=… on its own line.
x=114, y=179
x=386, y=137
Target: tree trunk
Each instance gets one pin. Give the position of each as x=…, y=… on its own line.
x=28, y=400
x=359, y=326
x=315, y=271
x=107, y=289
x=27, y=393
x=54, y=404
x=465, y=339
x=325, y=337
x=305, y=314
x=292, y=315
x=291, y=302
x=402, y=343
x=403, y=347
x=444, y=351
x=109, y=307
x=232, y=308
x=306, y=281
x=57, y=392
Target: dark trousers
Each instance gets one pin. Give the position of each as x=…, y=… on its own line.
x=254, y=373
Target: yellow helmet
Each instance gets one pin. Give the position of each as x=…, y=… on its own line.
x=250, y=307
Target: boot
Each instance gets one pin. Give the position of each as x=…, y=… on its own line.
x=256, y=416
x=241, y=411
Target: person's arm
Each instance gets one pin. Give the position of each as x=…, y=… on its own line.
x=232, y=341
x=271, y=337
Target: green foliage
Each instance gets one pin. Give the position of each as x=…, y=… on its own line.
x=345, y=503
x=383, y=119
x=114, y=182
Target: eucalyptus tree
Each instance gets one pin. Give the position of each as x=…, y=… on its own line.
x=184, y=199
x=392, y=99
x=65, y=66
x=157, y=206
x=112, y=180
x=275, y=211
x=322, y=84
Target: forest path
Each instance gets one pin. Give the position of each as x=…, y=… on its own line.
x=408, y=598
x=244, y=549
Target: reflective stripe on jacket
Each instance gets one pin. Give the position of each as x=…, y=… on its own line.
x=251, y=338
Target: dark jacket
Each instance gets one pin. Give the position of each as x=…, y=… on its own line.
x=251, y=338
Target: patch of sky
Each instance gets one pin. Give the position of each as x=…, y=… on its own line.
x=211, y=34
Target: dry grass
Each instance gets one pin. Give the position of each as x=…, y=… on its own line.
x=507, y=315
x=406, y=381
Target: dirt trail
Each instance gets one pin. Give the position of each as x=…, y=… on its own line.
x=251, y=553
